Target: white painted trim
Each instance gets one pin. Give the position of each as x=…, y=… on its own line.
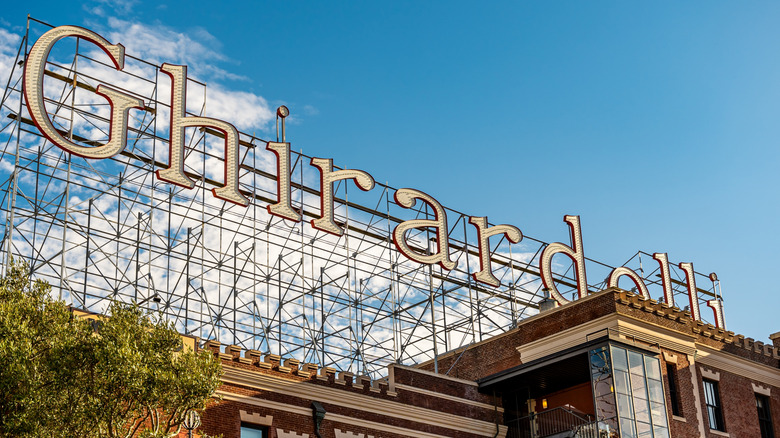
x=710, y=375
x=381, y=427
x=290, y=434
x=736, y=365
x=520, y=326
x=696, y=399
x=229, y=396
x=626, y=328
x=656, y=334
x=565, y=339
x=502, y=430
x=349, y=434
x=246, y=417
x=763, y=390
x=447, y=397
x=345, y=419
x=431, y=373
x=351, y=400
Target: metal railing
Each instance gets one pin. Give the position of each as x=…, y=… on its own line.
x=595, y=429
x=558, y=421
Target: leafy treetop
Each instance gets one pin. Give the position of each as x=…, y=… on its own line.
x=66, y=376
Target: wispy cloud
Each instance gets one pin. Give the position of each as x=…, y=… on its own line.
x=158, y=43
x=200, y=51
x=9, y=44
x=123, y=7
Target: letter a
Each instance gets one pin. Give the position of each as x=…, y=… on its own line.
x=407, y=198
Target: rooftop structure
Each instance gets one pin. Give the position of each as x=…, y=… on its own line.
x=611, y=365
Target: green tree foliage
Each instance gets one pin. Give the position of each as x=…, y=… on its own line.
x=66, y=376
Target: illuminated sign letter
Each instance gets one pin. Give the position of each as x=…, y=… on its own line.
x=717, y=304
x=618, y=272
x=175, y=172
x=575, y=254
x=512, y=233
x=717, y=308
x=283, y=207
x=34, y=68
x=692, y=294
x=666, y=278
x=327, y=177
x=407, y=198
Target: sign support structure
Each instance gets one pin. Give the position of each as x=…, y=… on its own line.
x=110, y=230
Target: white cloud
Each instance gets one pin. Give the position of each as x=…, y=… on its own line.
x=9, y=45
x=122, y=7
x=310, y=110
x=369, y=261
x=158, y=44
x=200, y=51
x=246, y=111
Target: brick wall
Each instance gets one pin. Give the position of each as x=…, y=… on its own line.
x=738, y=401
x=499, y=353
x=686, y=425
x=457, y=393
x=284, y=390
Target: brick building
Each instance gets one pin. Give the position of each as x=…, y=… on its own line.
x=609, y=365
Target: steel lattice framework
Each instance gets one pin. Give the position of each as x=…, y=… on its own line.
x=105, y=230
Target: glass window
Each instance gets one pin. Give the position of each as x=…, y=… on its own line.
x=603, y=388
x=714, y=410
x=641, y=410
x=619, y=359
x=658, y=413
x=638, y=386
x=627, y=428
x=652, y=366
x=764, y=416
x=655, y=390
x=621, y=382
x=643, y=430
x=640, y=394
x=636, y=363
x=625, y=407
x=252, y=431
x=661, y=432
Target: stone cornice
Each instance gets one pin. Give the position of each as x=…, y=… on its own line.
x=731, y=363
x=359, y=402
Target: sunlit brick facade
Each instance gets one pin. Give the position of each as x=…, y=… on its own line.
x=597, y=367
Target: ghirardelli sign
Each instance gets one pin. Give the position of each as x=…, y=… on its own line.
x=122, y=103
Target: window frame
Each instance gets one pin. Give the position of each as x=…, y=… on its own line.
x=765, y=422
x=252, y=426
x=713, y=405
x=644, y=394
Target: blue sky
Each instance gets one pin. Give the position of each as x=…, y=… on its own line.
x=658, y=124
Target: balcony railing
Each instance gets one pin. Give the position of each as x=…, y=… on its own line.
x=558, y=422
x=594, y=429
